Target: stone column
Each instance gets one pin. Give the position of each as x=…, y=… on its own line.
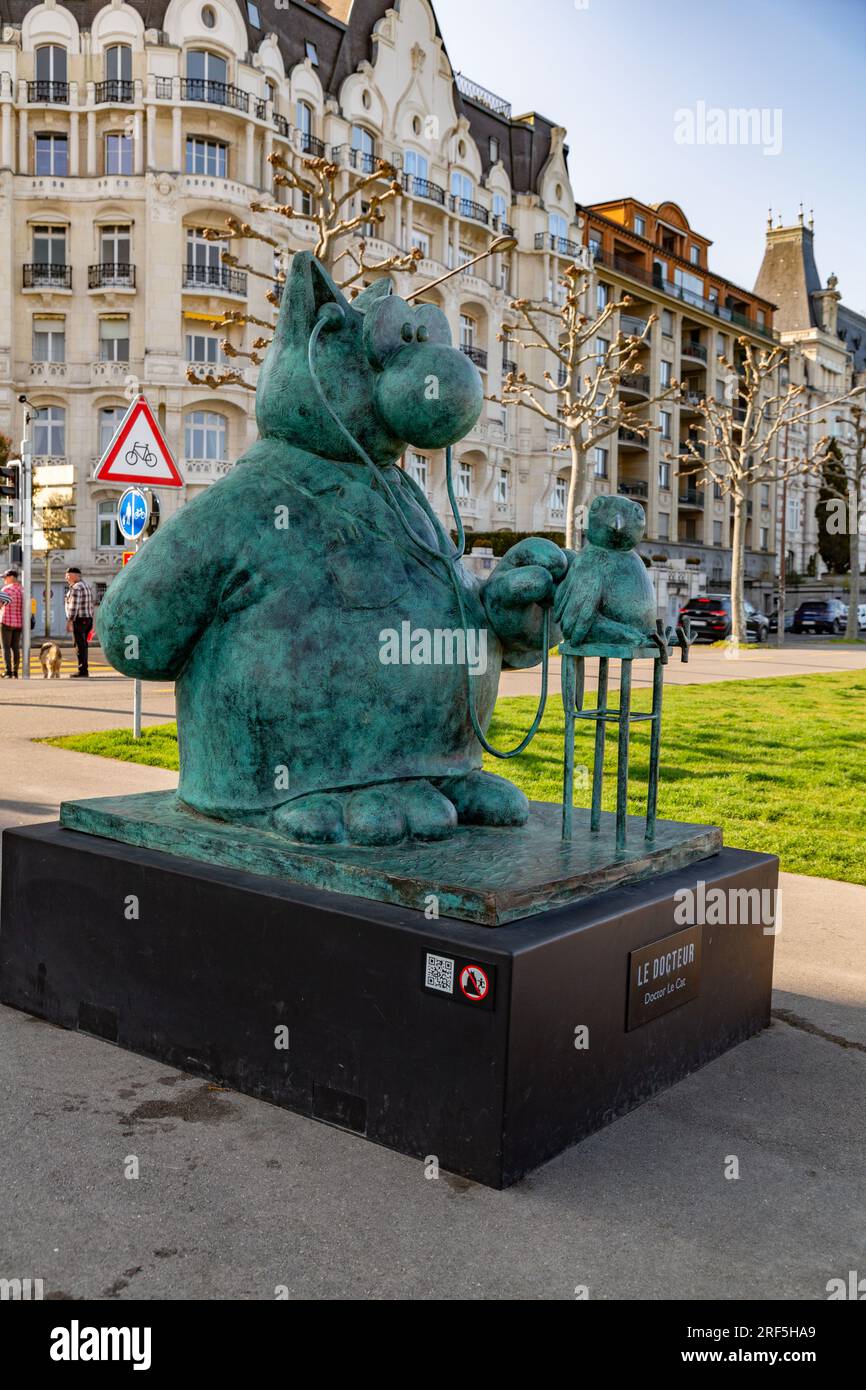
x=137, y=143
x=151, y=137
x=73, y=144
x=249, y=162
x=177, y=138
x=6, y=136
x=23, y=140
x=91, y=144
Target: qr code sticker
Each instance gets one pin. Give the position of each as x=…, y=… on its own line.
x=440, y=973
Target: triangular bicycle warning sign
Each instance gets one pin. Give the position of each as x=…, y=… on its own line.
x=138, y=452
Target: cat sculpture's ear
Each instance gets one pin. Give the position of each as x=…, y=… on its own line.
x=308, y=288
x=380, y=289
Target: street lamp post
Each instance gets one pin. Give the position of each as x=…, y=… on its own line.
x=26, y=536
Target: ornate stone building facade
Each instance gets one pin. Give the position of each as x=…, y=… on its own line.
x=127, y=130
x=826, y=343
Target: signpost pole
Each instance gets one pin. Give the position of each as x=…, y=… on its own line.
x=26, y=545
x=138, y=456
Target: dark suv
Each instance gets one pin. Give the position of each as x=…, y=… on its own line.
x=822, y=615
x=710, y=619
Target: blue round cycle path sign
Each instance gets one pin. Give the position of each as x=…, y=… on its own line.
x=133, y=511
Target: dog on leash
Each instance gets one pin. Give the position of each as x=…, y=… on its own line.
x=51, y=659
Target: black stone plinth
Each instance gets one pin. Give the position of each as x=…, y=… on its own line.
x=199, y=966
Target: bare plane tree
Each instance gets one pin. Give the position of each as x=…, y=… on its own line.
x=584, y=397
x=844, y=474
x=337, y=245
x=744, y=440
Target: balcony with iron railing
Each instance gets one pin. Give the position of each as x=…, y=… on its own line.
x=214, y=277
x=116, y=90
x=637, y=383
x=690, y=401
x=633, y=488
x=475, y=92
x=282, y=126
x=201, y=89
x=656, y=281
x=691, y=497
x=311, y=145
x=40, y=275
x=631, y=438
x=360, y=160
x=464, y=207
x=111, y=275
x=696, y=351
x=475, y=354
x=44, y=93
x=508, y=367
x=545, y=241
x=423, y=188
x=503, y=228
x=632, y=326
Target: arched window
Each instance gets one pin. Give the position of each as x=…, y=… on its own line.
x=49, y=432
x=51, y=73
x=419, y=470
x=204, y=260
x=108, y=535
x=417, y=167
x=363, y=149
x=558, y=230
x=462, y=190
x=109, y=422
x=206, y=435
x=206, y=76
x=467, y=331
x=118, y=72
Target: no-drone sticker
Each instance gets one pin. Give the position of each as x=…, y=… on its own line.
x=463, y=981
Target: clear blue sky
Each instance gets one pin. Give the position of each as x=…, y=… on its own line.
x=804, y=57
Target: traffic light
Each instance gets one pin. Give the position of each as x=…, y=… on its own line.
x=10, y=481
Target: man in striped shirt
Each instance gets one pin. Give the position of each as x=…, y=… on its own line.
x=11, y=623
x=79, y=617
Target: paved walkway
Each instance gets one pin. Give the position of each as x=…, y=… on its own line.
x=237, y=1197
x=798, y=657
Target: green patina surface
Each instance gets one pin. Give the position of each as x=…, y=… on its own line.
x=296, y=603
x=481, y=874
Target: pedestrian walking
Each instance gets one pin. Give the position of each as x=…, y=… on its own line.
x=79, y=617
x=11, y=623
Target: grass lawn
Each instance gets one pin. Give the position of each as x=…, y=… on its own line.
x=779, y=764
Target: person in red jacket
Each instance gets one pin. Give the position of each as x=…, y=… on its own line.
x=11, y=623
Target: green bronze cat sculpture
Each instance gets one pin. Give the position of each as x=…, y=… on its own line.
x=298, y=603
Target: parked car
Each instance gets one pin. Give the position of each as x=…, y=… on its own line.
x=710, y=619
x=861, y=615
x=821, y=615
x=774, y=621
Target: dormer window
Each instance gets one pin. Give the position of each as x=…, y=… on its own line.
x=639, y=225
x=312, y=53
x=695, y=255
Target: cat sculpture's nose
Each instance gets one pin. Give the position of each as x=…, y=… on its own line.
x=430, y=395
